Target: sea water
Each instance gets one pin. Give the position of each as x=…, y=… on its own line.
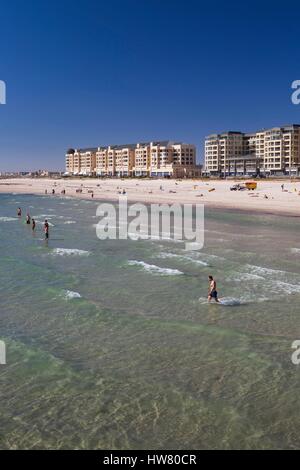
x=112, y=344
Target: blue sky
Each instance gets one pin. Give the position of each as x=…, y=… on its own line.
x=90, y=73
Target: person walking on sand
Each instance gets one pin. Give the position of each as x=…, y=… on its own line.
x=212, y=289
x=46, y=229
x=282, y=187
x=19, y=212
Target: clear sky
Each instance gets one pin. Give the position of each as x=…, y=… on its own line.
x=88, y=73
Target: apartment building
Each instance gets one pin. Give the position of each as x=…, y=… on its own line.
x=81, y=161
x=156, y=159
x=282, y=149
x=124, y=160
x=102, y=161
x=161, y=159
x=221, y=149
x=142, y=159
x=273, y=151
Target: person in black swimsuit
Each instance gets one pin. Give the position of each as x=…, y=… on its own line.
x=46, y=229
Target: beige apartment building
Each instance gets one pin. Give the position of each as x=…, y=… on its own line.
x=81, y=161
x=142, y=159
x=273, y=151
x=154, y=159
x=102, y=161
x=124, y=159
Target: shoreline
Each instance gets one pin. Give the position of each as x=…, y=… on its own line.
x=268, y=198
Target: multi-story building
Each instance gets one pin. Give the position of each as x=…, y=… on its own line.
x=87, y=161
x=222, y=149
x=81, y=161
x=156, y=159
x=282, y=149
x=161, y=159
x=101, y=161
x=142, y=159
x=124, y=160
x=273, y=151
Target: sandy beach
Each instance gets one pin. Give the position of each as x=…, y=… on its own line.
x=267, y=198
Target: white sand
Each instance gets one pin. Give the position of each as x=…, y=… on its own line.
x=185, y=191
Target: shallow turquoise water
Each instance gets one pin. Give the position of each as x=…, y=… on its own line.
x=140, y=360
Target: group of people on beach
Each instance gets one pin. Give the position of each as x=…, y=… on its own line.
x=63, y=191
x=31, y=221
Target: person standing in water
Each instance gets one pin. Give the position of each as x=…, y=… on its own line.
x=212, y=289
x=19, y=212
x=46, y=229
x=28, y=219
x=33, y=225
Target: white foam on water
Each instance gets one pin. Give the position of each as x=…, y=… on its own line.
x=169, y=255
x=228, y=301
x=295, y=250
x=68, y=222
x=231, y=301
x=196, y=261
x=286, y=287
x=263, y=284
x=261, y=271
x=39, y=222
x=207, y=256
x=203, y=300
x=69, y=295
x=183, y=258
x=8, y=219
x=69, y=252
x=239, y=277
x=152, y=268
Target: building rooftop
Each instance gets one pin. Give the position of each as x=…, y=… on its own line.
x=162, y=143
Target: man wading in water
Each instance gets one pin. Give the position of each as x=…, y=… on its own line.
x=212, y=289
x=46, y=229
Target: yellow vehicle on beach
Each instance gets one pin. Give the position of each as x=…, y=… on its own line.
x=251, y=185
x=242, y=186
